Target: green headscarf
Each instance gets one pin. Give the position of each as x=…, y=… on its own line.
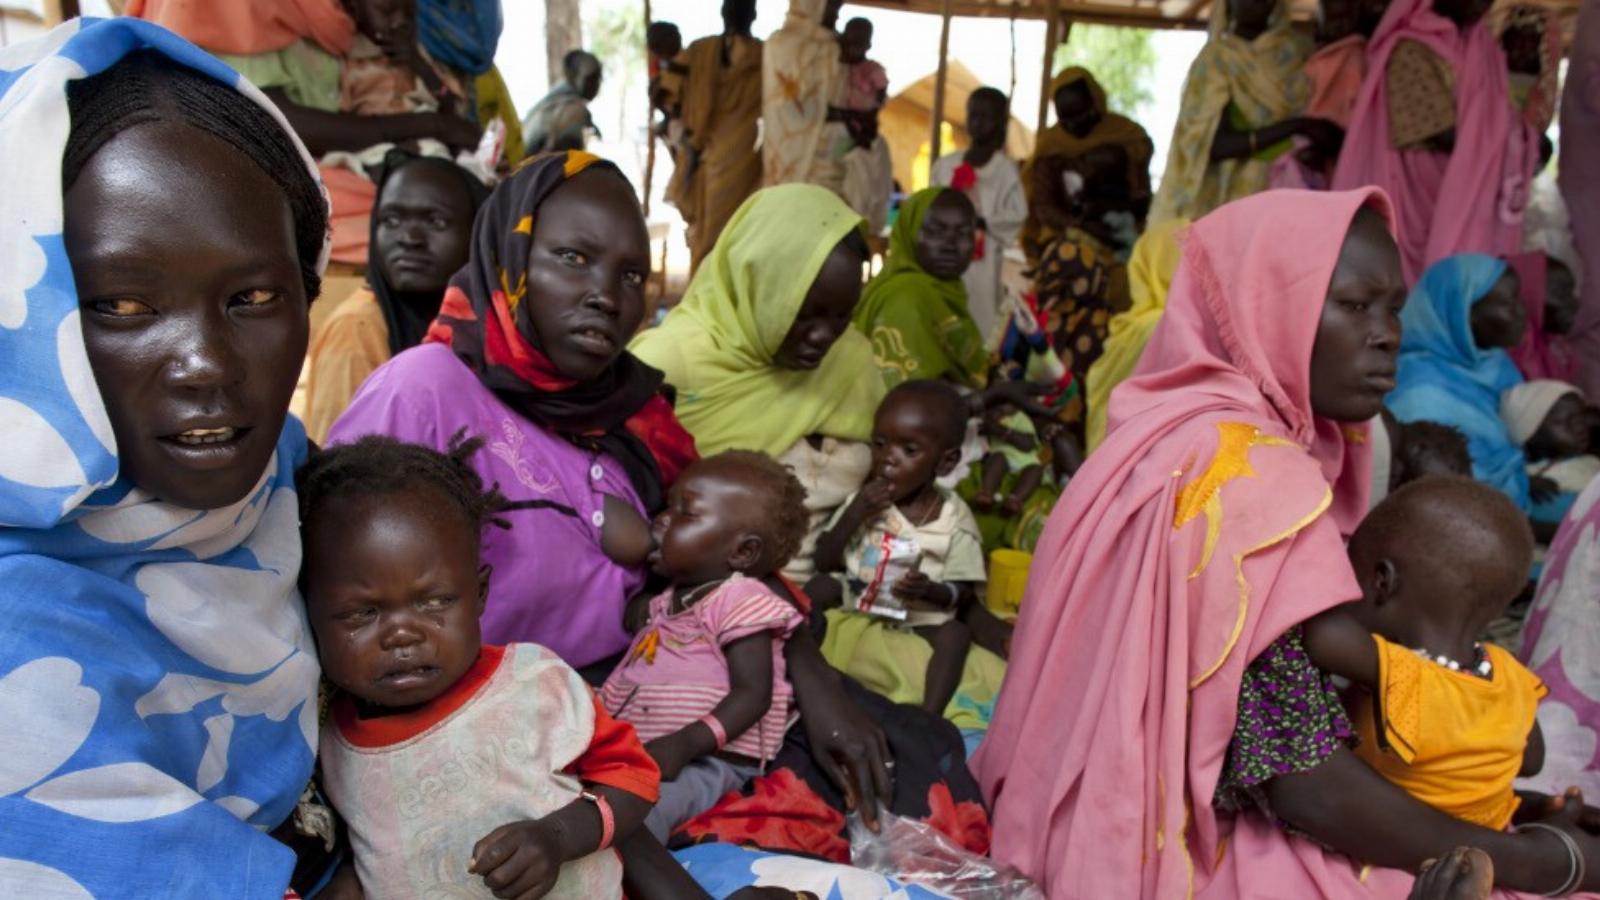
x=919, y=325
x=716, y=347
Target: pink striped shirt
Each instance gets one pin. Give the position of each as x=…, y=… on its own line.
x=676, y=670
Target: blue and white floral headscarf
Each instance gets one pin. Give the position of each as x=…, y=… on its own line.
x=157, y=677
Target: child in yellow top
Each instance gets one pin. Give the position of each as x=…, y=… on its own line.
x=1441, y=715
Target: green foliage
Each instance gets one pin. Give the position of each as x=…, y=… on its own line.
x=616, y=36
x=1121, y=59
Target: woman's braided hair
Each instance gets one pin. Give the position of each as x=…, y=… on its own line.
x=378, y=465
x=147, y=86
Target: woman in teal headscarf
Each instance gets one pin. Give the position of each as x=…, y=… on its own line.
x=1461, y=318
x=915, y=310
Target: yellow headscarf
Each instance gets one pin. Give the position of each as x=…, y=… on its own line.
x=1263, y=81
x=1111, y=129
x=716, y=347
x=1155, y=258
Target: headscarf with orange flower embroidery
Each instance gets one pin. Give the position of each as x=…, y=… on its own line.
x=621, y=412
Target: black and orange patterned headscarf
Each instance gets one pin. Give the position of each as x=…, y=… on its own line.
x=621, y=412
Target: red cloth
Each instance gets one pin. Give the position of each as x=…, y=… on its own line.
x=248, y=27
x=351, y=223
x=779, y=811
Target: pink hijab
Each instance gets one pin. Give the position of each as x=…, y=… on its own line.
x=1540, y=355
x=252, y=26
x=1337, y=72
x=1472, y=200
x=1191, y=539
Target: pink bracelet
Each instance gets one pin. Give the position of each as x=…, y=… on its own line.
x=717, y=731
x=608, y=821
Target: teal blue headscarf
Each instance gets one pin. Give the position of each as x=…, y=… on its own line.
x=1446, y=377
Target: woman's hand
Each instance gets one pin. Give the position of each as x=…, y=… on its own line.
x=1466, y=873
x=453, y=131
x=1325, y=136
x=849, y=748
x=853, y=752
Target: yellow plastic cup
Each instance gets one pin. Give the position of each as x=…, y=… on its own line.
x=1008, y=576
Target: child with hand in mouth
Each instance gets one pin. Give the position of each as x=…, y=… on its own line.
x=908, y=549
x=704, y=680
x=461, y=769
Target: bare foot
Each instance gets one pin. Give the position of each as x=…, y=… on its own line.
x=983, y=501
x=1466, y=873
x=1012, y=506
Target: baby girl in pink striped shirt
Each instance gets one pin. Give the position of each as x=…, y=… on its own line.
x=703, y=682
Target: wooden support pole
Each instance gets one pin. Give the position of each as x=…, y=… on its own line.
x=649, y=121
x=934, y=143
x=1048, y=70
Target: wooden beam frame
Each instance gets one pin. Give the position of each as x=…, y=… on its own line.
x=649, y=121
x=935, y=150
x=1048, y=74
x=1137, y=15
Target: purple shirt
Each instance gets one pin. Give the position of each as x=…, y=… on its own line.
x=551, y=585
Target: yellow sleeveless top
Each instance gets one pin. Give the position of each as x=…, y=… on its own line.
x=1452, y=739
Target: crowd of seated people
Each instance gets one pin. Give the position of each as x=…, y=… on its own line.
x=1251, y=551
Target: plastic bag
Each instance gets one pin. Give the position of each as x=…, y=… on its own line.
x=914, y=852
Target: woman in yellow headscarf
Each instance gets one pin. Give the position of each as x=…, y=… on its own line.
x=1241, y=105
x=762, y=352
x=1155, y=258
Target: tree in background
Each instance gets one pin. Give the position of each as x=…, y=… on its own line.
x=563, y=33
x=1121, y=59
x=616, y=36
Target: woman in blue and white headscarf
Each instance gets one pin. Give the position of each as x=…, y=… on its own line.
x=161, y=236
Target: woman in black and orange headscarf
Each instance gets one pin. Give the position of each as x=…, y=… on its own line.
x=529, y=353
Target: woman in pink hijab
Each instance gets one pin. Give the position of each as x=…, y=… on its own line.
x=1160, y=717
x=1434, y=128
x=1549, y=295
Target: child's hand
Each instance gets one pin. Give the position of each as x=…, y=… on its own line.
x=1020, y=440
x=915, y=587
x=1567, y=807
x=668, y=754
x=1542, y=489
x=521, y=860
x=876, y=496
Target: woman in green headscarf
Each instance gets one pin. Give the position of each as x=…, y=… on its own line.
x=915, y=311
x=760, y=349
